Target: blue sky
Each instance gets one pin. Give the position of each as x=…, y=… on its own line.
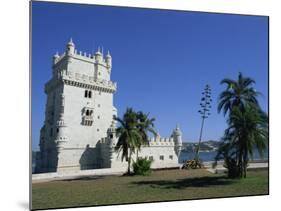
x=161, y=59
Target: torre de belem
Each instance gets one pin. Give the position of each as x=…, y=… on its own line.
x=79, y=127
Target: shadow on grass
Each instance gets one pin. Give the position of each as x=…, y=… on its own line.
x=189, y=182
x=82, y=178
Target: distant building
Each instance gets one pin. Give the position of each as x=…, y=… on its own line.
x=79, y=129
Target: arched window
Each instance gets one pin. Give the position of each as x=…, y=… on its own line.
x=87, y=113
x=91, y=112
x=86, y=93
x=90, y=94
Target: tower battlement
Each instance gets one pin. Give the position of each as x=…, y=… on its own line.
x=81, y=69
x=84, y=56
x=71, y=52
x=161, y=141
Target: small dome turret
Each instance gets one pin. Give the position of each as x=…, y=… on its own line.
x=177, y=135
x=108, y=59
x=98, y=56
x=70, y=47
x=111, y=134
x=70, y=43
x=55, y=58
x=177, y=131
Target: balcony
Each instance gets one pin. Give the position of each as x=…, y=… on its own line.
x=87, y=120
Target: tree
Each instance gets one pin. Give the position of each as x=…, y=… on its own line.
x=133, y=133
x=128, y=135
x=247, y=125
x=145, y=125
x=238, y=93
x=247, y=130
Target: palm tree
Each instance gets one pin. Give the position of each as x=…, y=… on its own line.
x=247, y=130
x=128, y=135
x=145, y=126
x=247, y=124
x=238, y=93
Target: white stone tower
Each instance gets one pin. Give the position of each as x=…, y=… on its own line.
x=79, y=111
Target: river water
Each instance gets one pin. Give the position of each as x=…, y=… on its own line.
x=210, y=156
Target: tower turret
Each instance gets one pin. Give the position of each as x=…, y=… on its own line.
x=70, y=47
x=61, y=137
x=111, y=134
x=108, y=60
x=55, y=58
x=177, y=135
x=98, y=56
x=60, y=141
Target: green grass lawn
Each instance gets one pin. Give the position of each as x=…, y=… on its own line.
x=160, y=186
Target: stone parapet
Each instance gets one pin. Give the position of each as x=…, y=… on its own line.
x=81, y=80
x=157, y=141
x=83, y=56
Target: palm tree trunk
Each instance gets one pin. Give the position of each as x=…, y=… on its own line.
x=129, y=162
x=245, y=159
x=240, y=165
x=244, y=169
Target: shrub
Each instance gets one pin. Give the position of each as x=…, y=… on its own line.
x=142, y=166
